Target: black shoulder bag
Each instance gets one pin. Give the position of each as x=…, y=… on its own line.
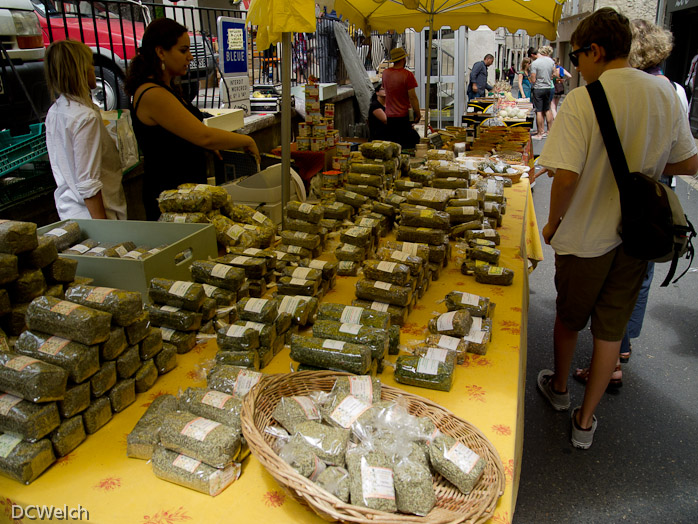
x=653, y=224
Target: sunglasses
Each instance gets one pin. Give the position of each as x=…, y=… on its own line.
x=574, y=55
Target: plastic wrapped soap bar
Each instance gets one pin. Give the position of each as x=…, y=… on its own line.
x=331, y=354
x=454, y=323
x=177, y=293
x=424, y=372
x=384, y=292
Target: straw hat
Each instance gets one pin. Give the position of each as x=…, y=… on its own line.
x=397, y=54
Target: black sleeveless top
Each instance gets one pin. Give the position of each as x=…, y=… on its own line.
x=168, y=159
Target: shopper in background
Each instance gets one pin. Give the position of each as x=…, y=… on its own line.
x=478, y=85
x=651, y=45
x=400, y=97
x=377, y=120
x=541, y=78
x=84, y=158
x=560, y=76
x=523, y=79
x=169, y=129
x=594, y=277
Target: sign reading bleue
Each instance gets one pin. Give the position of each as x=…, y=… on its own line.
x=232, y=35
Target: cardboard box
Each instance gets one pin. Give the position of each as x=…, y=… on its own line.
x=185, y=243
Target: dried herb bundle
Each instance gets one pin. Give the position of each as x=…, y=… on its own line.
x=384, y=292
x=455, y=323
x=423, y=372
x=353, y=315
x=31, y=379
x=24, y=461
x=177, y=293
x=68, y=436
x=68, y=320
x=97, y=415
x=31, y=421
x=331, y=354
x=456, y=462
x=145, y=435
x=79, y=361
x=213, y=405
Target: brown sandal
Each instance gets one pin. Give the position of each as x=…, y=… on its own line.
x=582, y=375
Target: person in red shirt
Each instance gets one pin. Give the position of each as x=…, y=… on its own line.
x=400, y=96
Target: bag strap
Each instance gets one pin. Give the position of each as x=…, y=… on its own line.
x=608, y=130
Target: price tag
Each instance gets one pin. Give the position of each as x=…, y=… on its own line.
x=348, y=410
x=245, y=381
x=495, y=270
x=445, y=321
x=199, y=428
x=180, y=287
x=252, y=251
x=186, y=463
x=80, y=248
x=448, y=342
x=298, y=282
x=235, y=331
x=99, y=294
x=427, y=366
x=305, y=208
x=438, y=354
x=7, y=402
x=169, y=309
x=57, y=232
x=376, y=483
x=318, y=264
x=380, y=306
x=19, y=363
x=53, y=345
x=352, y=329
x=333, y=344
x=64, y=307
x=382, y=285
x=468, y=299
x=301, y=273
x=351, y=314
x=255, y=305
x=220, y=270
x=289, y=304
x=216, y=399
x=308, y=407
x=361, y=388
x=462, y=456
x=388, y=267
x=490, y=233
x=296, y=250
x=259, y=217
x=399, y=255
x=167, y=333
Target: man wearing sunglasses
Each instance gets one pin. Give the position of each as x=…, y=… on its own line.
x=594, y=277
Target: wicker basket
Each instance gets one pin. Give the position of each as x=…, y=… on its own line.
x=452, y=505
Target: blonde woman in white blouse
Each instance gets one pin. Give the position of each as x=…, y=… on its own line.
x=84, y=158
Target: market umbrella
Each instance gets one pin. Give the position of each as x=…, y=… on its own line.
x=533, y=16
x=275, y=21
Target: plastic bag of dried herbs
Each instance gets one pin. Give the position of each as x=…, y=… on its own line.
x=337, y=210
x=487, y=234
x=303, y=211
x=24, y=461
x=177, y=293
x=490, y=274
x=220, y=275
x=372, y=483
x=458, y=345
x=364, y=388
x=415, y=263
x=430, y=197
x=124, y=306
x=244, y=359
x=452, y=182
x=296, y=307
x=414, y=489
x=331, y=354
x=335, y=480
x=173, y=317
x=184, y=341
x=348, y=268
x=17, y=237
x=291, y=411
x=258, y=310
x=68, y=320
x=379, y=149
x=297, y=286
x=79, y=361
x=455, y=323
x=253, y=267
x=184, y=218
x=31, y=421
x=377, y=339
x=415, y=217
x=303, y=273
x=424, y=235
x=213, y=405
x=353, y=315
x=31, y=379
x=351, y=198
x=456, y=462
x=191, y=473
x=350, y=253
x=375, y=290
x=423, y=372
x=233, y=380
x=302, y=459
x=328, y=443
x=398, y=314
x=184, y=201
x=391, y=272
x=494, y=189
x=440, y=354
x=477, y=341
x=68, y=436
x=477, y=305
x=236, y=337
x=411, y=248
x=145, y=435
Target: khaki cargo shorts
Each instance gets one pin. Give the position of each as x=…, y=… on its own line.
x=604, y=288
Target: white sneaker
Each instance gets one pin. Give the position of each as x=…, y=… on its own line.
x=581, y=438
x=559, y=401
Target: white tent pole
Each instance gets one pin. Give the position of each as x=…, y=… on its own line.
x=285, y=121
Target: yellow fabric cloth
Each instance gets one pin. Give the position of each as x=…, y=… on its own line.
x=274, y=17
x=488, y=391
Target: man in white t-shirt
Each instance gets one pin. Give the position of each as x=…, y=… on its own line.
x=594, y=277
x=541, y=78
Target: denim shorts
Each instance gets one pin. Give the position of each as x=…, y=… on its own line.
x=602, y=288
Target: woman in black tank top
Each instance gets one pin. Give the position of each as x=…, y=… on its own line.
x=170, y=130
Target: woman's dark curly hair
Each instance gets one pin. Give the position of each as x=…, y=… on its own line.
x=162, y=32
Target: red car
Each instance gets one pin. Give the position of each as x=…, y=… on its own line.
x=114, y=41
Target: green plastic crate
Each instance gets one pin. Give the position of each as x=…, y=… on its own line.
x=18, y=150
x=188, y=242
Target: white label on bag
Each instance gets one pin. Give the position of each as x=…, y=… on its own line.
x=169, y=309
x=476, y=337
x=445, y=321
x=361, y=388
x=376, y=483
x=352, y=329
x=380, y=306
x=333, y=344
x=257, y=326
x=199, y=428
x=7, y=402
x=255, y=305
x=463, y=457
x=476, y=325
x=348, y=410
x=468, y=299
x=491, y=186
x=80, y=248
x=388, y=267
x=185, y=191
x=220, y=270
x=133, y=254
x=259, y=217
x=349, y=247
x=382, y=285
x=399, y=255
x=427, y=366
x=53, y=345
x=350, y=194
x=469, y=210
x=19, y=363
x=490, y=233
x=367, y=222
x=289, y=304
x=240, y=260
x=167, y=333
x=235, y=231
x=186, y=463
x=235, y=331
x=64, y=307
x=351, y=314
x=57, y=232
x=448, y=342
x=97, y=250
x=7, y=444
x=298, y=282
x=245, y=381
x=216, y=399
x=120, y=250
x=489, y=207
x=180, y=288
x=355, y=232
x=179, y=219
x=318, y=264
x=252, y=251
x=305, y=208
x=222, y=478
x=209, y=290
x=438, y=354
x=99, y=294
x=410, y=247
x=300, y=272
x=308, y=407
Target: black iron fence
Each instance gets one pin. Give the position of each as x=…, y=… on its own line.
x=114, y=29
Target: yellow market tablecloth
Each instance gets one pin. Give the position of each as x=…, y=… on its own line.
x=488, y=391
